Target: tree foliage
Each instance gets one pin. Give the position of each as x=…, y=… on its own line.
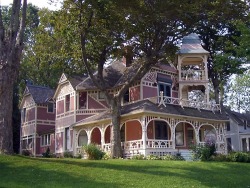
x=217, y=27
x=150, y=28
x=239, y=92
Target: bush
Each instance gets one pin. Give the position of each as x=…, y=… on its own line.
x=26, y=152
x=153, y=157
x=93, y=152
x=67, y=154
x=220, y=158
x=47, y=153
x=239, y=157
x=203, y=153
x=138, y=157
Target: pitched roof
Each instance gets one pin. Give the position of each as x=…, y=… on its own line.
x=150, y=107
x=239, y=117
x=40, y=94
x=191, y=44
x=111, y=75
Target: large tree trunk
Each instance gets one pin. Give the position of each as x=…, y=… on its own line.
x=216, y=86
x=115, y=137
x=6, y=100
x=11, y=45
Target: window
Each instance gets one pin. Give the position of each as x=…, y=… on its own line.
x=126, y=97
x=82, y=100
x=245, y=124
x=67, y=139
x=228, y=126
x=45, y=140
x=23, y=115
x=50, y=107
x=161, y=131
x=166, y=88
x=67, y=103
x=229, y=144
x=101, y=95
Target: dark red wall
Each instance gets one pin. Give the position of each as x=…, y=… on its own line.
x=133, y=130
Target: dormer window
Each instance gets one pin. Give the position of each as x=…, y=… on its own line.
x=126, y=97
x=67, y=103
x=166, y=88
x=82, y=100
x=101, y=95
x=50, y=107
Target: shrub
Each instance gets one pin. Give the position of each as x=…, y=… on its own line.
x=153, y=157
x=138, y=157
x=203, y=153
x=26, y=152
x=47, y=153
x=67, y=154
x=239, y=157
x=106, y=156
x=93, y=152
x=220, y=158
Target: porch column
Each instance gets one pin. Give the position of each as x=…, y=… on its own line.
x=173, y=135
x=74, y=140
x=102, y=137
x=144, y=135
x=247, y=140
x=89, y=135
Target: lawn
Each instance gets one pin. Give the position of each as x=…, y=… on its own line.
x=20, y=171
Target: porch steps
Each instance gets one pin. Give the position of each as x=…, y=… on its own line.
x=186, y=154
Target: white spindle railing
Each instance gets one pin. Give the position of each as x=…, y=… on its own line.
x=188, y=103
x=151, y=143
x=193, y=75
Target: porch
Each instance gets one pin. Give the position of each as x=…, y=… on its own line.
x=150, y=135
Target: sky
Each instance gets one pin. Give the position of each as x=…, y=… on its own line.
x=39, y=3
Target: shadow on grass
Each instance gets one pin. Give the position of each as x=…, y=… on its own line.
x=208, y=174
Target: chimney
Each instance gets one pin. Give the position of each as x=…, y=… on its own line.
x=128, y=56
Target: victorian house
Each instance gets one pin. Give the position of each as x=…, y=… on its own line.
x=167, y=111
x=37, y=132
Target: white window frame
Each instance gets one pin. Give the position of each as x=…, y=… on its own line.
x=53, y=109
x=45, y=140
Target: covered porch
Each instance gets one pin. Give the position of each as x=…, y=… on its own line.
x=153, y=134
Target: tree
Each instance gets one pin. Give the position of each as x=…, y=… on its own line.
x=54, y=49
x=150, y=28
x=217, y=27
x=239, y=92
x=11, y=45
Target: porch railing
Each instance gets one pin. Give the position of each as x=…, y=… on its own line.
x=151, y=143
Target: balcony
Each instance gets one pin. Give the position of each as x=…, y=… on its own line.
x=163, y=100
x=193, y=75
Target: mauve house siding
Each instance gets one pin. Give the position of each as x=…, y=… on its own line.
x=134, y=93
x=149, y=92
x=60, y=107
x=42, y=114
x=30, y=114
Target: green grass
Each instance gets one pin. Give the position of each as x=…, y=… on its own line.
x=19, y=171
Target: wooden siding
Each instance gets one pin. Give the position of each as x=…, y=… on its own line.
x=93, y=104
x=42, y=114
x=60, y=107
x=30, y=114
x=133, y=130
x=149, y=92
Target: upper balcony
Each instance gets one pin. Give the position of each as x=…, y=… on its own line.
x=193, y=75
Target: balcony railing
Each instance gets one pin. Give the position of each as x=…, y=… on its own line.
x=193, y=75
x=163, y=100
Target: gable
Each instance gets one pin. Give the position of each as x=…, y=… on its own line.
x=63, y=78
